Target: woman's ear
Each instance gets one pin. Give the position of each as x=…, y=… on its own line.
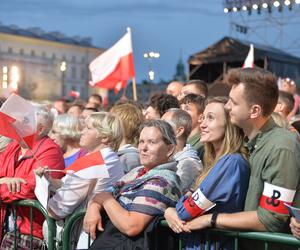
x=170, y=150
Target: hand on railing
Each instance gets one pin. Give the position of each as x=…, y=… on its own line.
x=174, y=222
x=13, y=183
x=92, y=220
x=295, y=228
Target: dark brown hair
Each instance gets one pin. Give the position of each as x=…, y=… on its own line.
x=260, y=87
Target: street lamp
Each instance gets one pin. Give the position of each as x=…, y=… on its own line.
x=63, y=68
x=150, y=56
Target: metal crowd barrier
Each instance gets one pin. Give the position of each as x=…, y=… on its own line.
x=51, y=222
x=266, y=238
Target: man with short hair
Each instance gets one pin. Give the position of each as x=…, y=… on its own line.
x=17, y=180
x=285, y=104
x=174, y=88
x=194, y=105
x=189, y=165
x=197, y=87
x=274, y=157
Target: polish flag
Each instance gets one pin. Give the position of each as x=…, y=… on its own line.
x=75, y=94
x=274, y=197
x=18, y=120
x=91, y=166
x=249, y=62
x=113, y=68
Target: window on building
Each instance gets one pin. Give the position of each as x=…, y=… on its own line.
x=32, y=53
x=73, y=72
x=53, y=56
x=82, y=59
x=73, y=59
x=10, y=50
x=44, y=54
x=82, y=75
x=21, y=52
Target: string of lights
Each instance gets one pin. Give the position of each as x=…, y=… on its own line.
x=258, y=5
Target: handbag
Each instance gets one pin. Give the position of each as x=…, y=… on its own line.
x=22, y=241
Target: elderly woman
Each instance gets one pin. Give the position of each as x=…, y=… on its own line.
x=223, y=184
x=66, y=133
x=103, y=132
x=140, y=196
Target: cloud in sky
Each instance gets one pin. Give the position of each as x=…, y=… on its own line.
x=172, y=27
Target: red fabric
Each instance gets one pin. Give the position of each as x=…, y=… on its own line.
x=49, y=154
x=275, y=205
x=123, y=72
x=142, y=172
x=6, y=128
x=192, y=208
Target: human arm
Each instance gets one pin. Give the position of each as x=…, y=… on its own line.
x=54, y=183
x=295, y=228
x=51, y=155
x=225, y=185
x=236, y=221
x=69, y=196
x=130, y=223
x=13, y=183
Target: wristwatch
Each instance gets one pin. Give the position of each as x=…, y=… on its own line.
x=213, y=219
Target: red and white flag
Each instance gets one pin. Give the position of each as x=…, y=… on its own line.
x=75, y=94
x=91, y=166
x=113, y=68
x=18, y=120
x=274, y=197
x=249, y=62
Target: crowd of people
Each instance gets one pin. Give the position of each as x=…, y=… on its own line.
x=195, y=160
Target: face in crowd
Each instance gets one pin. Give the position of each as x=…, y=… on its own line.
x=213, y=125
x=152, y=148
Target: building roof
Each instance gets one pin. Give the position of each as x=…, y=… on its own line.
x=231, y=49
x=54, y=36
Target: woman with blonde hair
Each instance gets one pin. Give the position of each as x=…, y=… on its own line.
x=131, y=117
x=66, y=132
x=102, y=133
x=223, y=184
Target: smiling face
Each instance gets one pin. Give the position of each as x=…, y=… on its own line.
x=213, y=125
x=152, y=149
x=89, y=136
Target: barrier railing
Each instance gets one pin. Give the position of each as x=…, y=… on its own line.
x=265, y=237
x=51, y=222
x=69, y=223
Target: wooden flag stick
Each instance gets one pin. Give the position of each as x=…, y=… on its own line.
x=134, y=89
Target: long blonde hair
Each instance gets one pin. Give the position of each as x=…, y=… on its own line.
x=232, y=143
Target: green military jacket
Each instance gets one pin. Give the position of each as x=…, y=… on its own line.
x=275, y=171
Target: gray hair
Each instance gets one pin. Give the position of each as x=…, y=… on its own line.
x=166, y=130
x=181, y=118
x=67, y=126
x=45, y=117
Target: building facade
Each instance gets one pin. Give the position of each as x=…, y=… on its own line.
x=44, y=66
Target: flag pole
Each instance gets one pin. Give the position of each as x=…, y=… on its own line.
x=134, y=89
x=33, y=154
